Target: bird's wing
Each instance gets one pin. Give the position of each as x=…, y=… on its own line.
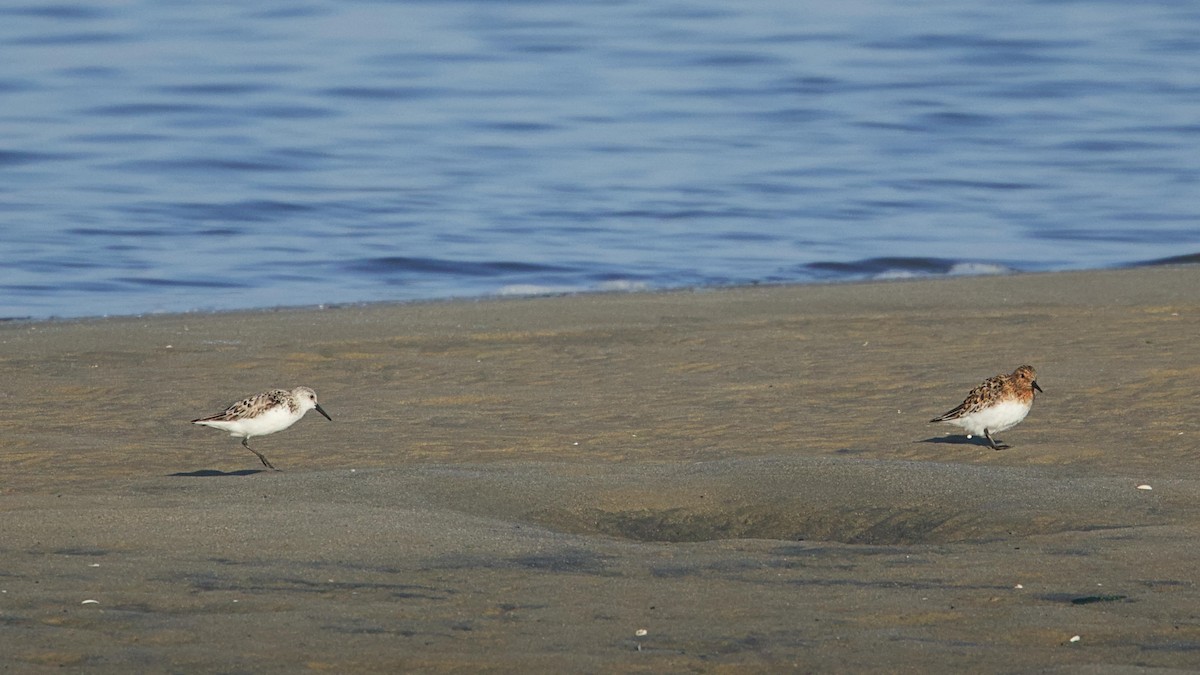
x=249, y=407
x=975, y=400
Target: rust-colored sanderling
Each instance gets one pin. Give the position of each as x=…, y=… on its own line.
x=999, y=404
x=263, y=414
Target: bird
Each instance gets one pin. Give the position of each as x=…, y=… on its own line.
x=265, y=413
x=998, y=404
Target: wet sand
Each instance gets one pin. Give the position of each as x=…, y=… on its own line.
x=524, y=485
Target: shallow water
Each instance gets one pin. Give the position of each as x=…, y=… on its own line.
x=176, y=157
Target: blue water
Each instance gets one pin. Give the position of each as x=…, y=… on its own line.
x=176, y=156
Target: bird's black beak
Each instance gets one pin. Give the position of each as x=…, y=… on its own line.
x=1035, y=386
x=322, y=410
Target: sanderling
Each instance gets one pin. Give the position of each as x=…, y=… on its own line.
x=996, y=405
x=264, y=414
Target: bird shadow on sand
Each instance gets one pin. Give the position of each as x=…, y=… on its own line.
x=957, y=440
x=211, y=473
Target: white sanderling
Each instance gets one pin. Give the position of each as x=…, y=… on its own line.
x=263, y=414
x=998, y=404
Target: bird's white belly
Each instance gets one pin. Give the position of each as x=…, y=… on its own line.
x=276, y=419
x=996, y=418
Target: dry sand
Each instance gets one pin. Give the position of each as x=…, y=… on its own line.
x=745, y=475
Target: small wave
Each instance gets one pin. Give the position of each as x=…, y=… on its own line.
x=888, y=275
x=623, y=285
x=534, y=289
x=905, y=268
x=179, y=283
x=17, y=158
x=399, y=264
x=1189, y=259
x=979, y=269
x=612, y=286
x=385, y=93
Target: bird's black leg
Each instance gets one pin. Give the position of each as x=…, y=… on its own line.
x=991, y=441
x=260, y=455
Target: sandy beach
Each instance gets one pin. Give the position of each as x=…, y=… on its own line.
x=735, y=480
